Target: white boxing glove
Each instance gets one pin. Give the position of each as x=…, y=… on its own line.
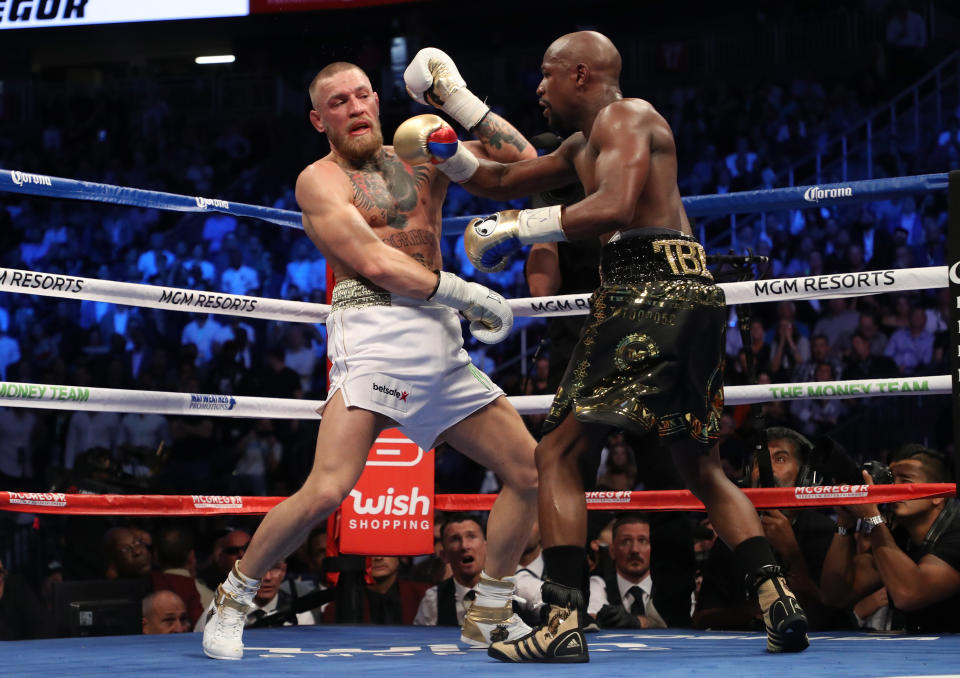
x=490, y=317
x=432, y=78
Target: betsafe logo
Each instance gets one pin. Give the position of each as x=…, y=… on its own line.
x=387, y=390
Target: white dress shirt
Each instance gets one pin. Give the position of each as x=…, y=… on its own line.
x=303, y=618
x=598, y=598
x=529, y=579
x=427, y=611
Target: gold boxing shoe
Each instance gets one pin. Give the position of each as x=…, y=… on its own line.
x=782, y=615
x=483, y=625
x=559, y=639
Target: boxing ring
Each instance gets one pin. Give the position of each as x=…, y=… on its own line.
x=339, y=650
x=417, y=650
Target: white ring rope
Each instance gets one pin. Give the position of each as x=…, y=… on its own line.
x=177, y=299
x=836, y=285
x=55, y=397
x=157, y=296
x=45, y=396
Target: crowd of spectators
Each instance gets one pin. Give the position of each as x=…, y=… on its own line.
x=898, y=572
x=730, y=136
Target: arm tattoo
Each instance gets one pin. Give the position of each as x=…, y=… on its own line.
x=495, y=132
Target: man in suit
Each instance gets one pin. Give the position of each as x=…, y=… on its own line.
x=464, y=548
x=626, y=597
x=387, y=599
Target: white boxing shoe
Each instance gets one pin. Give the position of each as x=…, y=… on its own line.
x=223, y=628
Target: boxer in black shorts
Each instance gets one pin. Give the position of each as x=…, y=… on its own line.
x=649, y=358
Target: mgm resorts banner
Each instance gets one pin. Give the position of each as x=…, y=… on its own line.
x=953, y=258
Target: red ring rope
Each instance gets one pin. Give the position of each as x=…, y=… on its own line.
x=661, y=500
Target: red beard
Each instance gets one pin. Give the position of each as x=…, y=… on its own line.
x=358, y=149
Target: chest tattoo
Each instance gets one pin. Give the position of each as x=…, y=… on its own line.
x=387, y=190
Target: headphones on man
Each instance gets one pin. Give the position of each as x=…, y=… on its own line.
x=825, y=461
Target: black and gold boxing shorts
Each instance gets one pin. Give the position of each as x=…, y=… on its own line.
x=650, y=356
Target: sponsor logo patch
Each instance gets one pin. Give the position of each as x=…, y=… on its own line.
x=21, y=178
x=215, y=203
x=202, y=501
x=831, y=492
x=392, y=504
x=390, y=392
x=816, y=194
x=203, y=401
x=609, y=497
x=38, y=498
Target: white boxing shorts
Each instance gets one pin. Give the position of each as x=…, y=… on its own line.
x=403, y=358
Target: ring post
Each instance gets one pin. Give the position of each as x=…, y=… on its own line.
x=953, y=253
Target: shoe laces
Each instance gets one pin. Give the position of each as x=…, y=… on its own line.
x=229, y=622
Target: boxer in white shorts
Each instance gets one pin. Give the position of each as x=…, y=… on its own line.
x=417, y=374
x=394, y=333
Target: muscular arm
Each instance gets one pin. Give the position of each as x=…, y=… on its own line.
x=543, y=269
x=621, y=140
x=847, y=577
x=910, y=585
x=338, y=229
x=498, y=140
x=506, y=181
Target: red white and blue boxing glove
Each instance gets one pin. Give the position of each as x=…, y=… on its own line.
x=427, y=138
x=432, y=78
x=489, y=241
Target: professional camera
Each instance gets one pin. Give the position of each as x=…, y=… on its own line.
x=879, y=472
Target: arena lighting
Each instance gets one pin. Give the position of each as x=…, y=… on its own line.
x=216, y=59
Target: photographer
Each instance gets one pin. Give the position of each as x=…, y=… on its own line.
x=800, y=540
x=916, y=560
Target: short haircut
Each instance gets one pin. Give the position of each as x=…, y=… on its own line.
x=451, y=518
x=630, y=518
x=146, y=607
x=110, y=539
x=935, y=464
x=801, y=444
x=328, y=71
x=597, y=522
x=174, y=547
